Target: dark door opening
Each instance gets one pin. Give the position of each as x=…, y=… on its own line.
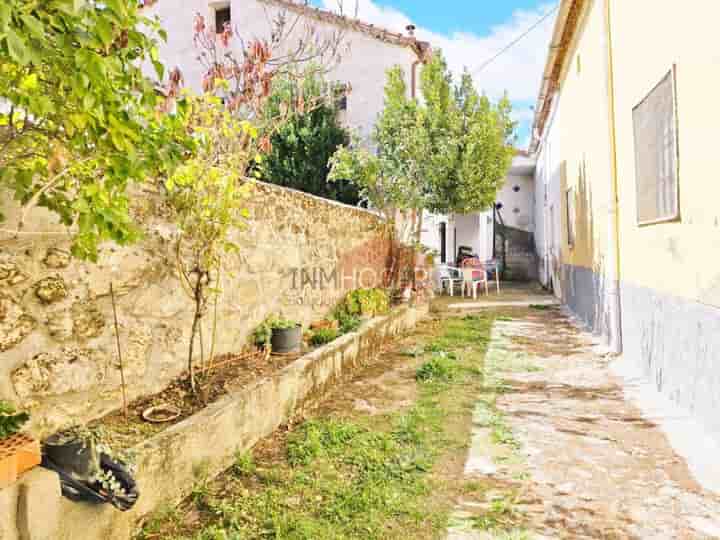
x=443, y=242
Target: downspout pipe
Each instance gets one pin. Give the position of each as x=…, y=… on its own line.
x=413, y=78
x=612, y=270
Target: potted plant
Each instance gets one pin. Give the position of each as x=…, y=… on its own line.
x=18, y=451
x=90, y=470
x=284, y=335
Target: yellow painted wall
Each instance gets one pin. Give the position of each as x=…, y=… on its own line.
x=649, y=36
x=582, y=126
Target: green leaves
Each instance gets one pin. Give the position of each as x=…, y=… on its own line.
x=11, y=421
x=5, y=14
x=449, y=154
x=65, y=65
x=16, y=47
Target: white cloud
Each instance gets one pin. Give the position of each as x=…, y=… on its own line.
x=517, y=71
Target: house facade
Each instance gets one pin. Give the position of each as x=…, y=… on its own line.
x=627, y=223
x=505, y=232
x=367, y=51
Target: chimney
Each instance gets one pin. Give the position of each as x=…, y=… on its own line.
x=411, y=30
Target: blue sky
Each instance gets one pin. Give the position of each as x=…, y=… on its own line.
x=477, y=16
x=472, y=31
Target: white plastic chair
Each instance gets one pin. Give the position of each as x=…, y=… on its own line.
x=449, y=275
x=472, y=282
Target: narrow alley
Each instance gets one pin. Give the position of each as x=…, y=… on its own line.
x=582, y=460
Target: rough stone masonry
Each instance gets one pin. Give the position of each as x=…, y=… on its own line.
x=59, y=359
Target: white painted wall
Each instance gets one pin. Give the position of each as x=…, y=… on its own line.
x=364, y=66
x=518, y=209
x=476, y=230
x=548, y=203
x=468, y=232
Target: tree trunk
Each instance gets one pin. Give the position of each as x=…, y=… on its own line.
x=196, y=322
x=418, y=238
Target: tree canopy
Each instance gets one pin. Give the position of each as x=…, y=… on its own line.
x=78, y=120
x=303, y=145
x=447, y=154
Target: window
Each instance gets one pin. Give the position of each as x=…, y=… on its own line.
x=222, y=16
x=341, y=96
x=656, y=154
x=570, y=206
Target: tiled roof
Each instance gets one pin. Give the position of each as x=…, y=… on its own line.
x=421, y=48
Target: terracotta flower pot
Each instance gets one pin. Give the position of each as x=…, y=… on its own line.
x=18, y=453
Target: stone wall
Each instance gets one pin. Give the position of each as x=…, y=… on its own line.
x=208, y=441
x=298, y=256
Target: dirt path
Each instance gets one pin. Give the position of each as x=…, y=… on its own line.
x=575, y=459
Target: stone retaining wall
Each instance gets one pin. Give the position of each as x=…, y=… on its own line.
x=170, y=462
x=57, y=339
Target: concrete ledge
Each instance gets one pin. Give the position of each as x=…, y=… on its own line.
x=205, y=444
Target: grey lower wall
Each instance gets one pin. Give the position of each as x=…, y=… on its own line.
x=584, y=292
x=677, y=343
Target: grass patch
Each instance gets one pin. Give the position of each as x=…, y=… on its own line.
x=442, y=367
x=540, y=307
x=369, y=477
x=501, y=515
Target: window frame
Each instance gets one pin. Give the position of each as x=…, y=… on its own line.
x=677, y=214
x=571, y=217
x=216, y=9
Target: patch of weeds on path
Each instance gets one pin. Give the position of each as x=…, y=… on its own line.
x=353, y=476
x=540, y=307
x=441, y=367
x=500, y=517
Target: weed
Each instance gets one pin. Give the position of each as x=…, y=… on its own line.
x=244, y=464
x=501, y=516
x=540, y=307
x=440, y=368
x=323, y=336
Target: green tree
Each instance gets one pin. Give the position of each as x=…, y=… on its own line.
x=448, y=154
x=303, y=145
x=472, y=140
x=78, y=120
x=207, y=193
x=391, y=178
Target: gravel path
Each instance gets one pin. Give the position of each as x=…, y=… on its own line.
x=588, y=465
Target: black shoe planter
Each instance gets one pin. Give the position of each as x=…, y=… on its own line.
x=286, y=340
x=72, y=454
x=77, y=467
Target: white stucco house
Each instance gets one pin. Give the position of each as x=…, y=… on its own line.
x=368, y=51
x=505, y=232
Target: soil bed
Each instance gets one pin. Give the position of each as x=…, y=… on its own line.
x=232, y=372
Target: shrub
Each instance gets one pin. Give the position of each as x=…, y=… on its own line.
x=346, y=322
x=367, y=302
x=11, y=421
x=323, y=336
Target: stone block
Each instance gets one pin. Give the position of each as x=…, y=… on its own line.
x=38, y=513
x=15, y=324
x=8, y=512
